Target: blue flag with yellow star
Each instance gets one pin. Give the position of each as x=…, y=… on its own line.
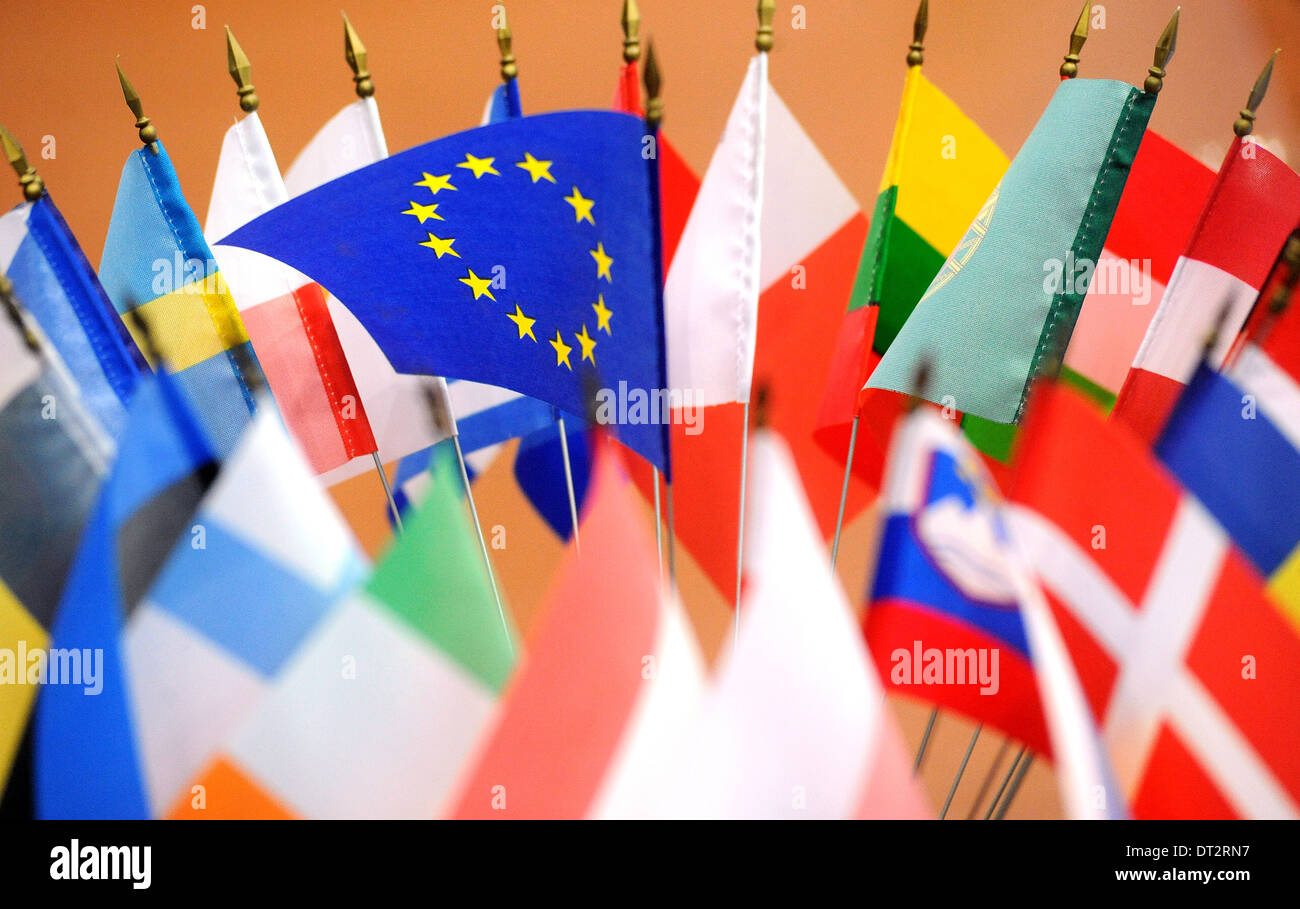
x=520, y=254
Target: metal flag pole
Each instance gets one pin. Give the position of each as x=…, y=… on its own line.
x=763, y=42
x=654, y=115
x=482, y=541
x=925, y=740
x=659, y=524
x=388, y=492
x=844, y=490
x=988, y=777
x=997, y=796
x=1015, y=786
x=568, y=482
x=960, y=770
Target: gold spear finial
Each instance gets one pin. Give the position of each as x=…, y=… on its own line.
x=654, y=106
x=1245, y=124
x=148, y=132
x=505, y=42
x=916, y=50
x=242, y=72
x=16, y=315
x=31, y=182
x=355, y=51
x=766, y=10
x=631, y=30
x=1078, y=37
x=1164, y=53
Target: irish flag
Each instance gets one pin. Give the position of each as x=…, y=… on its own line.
x=940, y=170
x=994, y=317
x=1254, y=205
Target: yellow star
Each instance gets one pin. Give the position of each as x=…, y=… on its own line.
x=538, y=170
x=480, y=286
x=603, y=262
x=523, y=323
x=603, y=313
x=561, y=351
x=440, y=246
x=480, y=166
x=435, y=183
x=424, y=212
x=588, y=345
x=581, y=206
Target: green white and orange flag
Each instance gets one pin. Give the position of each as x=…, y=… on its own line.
x=990, y=320
x=941, y=168
x=374, y=714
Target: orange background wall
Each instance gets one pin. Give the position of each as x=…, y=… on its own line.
x=434, y=62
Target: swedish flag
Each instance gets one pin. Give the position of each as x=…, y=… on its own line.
x=520, y=254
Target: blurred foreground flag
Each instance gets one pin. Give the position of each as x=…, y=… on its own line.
x=1234, y=441
x=59, y=289
x=53, y=455
x=1254, y=205
x=1186, y=663
x=795, y=725
x=519, y=254
x=957, y=618
x=87, y=758
x=285, y=313
x=1005, y=302
x=373, y=713
x=156, y=264
x=940, y=170
x=610, y=682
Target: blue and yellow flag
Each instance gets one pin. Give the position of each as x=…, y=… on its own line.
x=519, y=254
x=157, y=264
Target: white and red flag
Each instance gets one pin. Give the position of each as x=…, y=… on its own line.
x=1253, y=206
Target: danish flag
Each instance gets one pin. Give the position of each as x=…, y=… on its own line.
x=1192, y=672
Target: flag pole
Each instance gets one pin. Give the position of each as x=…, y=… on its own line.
x=915, y=57
x=988, y=777
x=654, y=116
x=960, y=770
x=1015, y=786
x=568, y=480
x=482, y=541
x=997, y=796
x=763, y=43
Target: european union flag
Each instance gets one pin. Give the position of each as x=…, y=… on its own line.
x=519, y=254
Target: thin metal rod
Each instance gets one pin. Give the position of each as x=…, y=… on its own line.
x=672, y=535
x=388, y=491
x=988, y=777
x=925, y=740
x=659, y=524
x=1015, y=786
x=1006, y=779
x=568, y=482
x=482, y=542
x=844, y=490
x=960, y=770
x=740, y=529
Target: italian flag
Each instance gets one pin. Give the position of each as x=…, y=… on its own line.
x=940, y=170
x=374, y=714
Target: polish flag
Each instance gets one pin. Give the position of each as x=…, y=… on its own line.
x=1253, y=206
x=285, y=312
x=754, y=297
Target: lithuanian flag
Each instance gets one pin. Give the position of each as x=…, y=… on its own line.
x=941, y=169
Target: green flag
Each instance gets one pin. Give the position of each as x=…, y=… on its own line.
x=1007, y=297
